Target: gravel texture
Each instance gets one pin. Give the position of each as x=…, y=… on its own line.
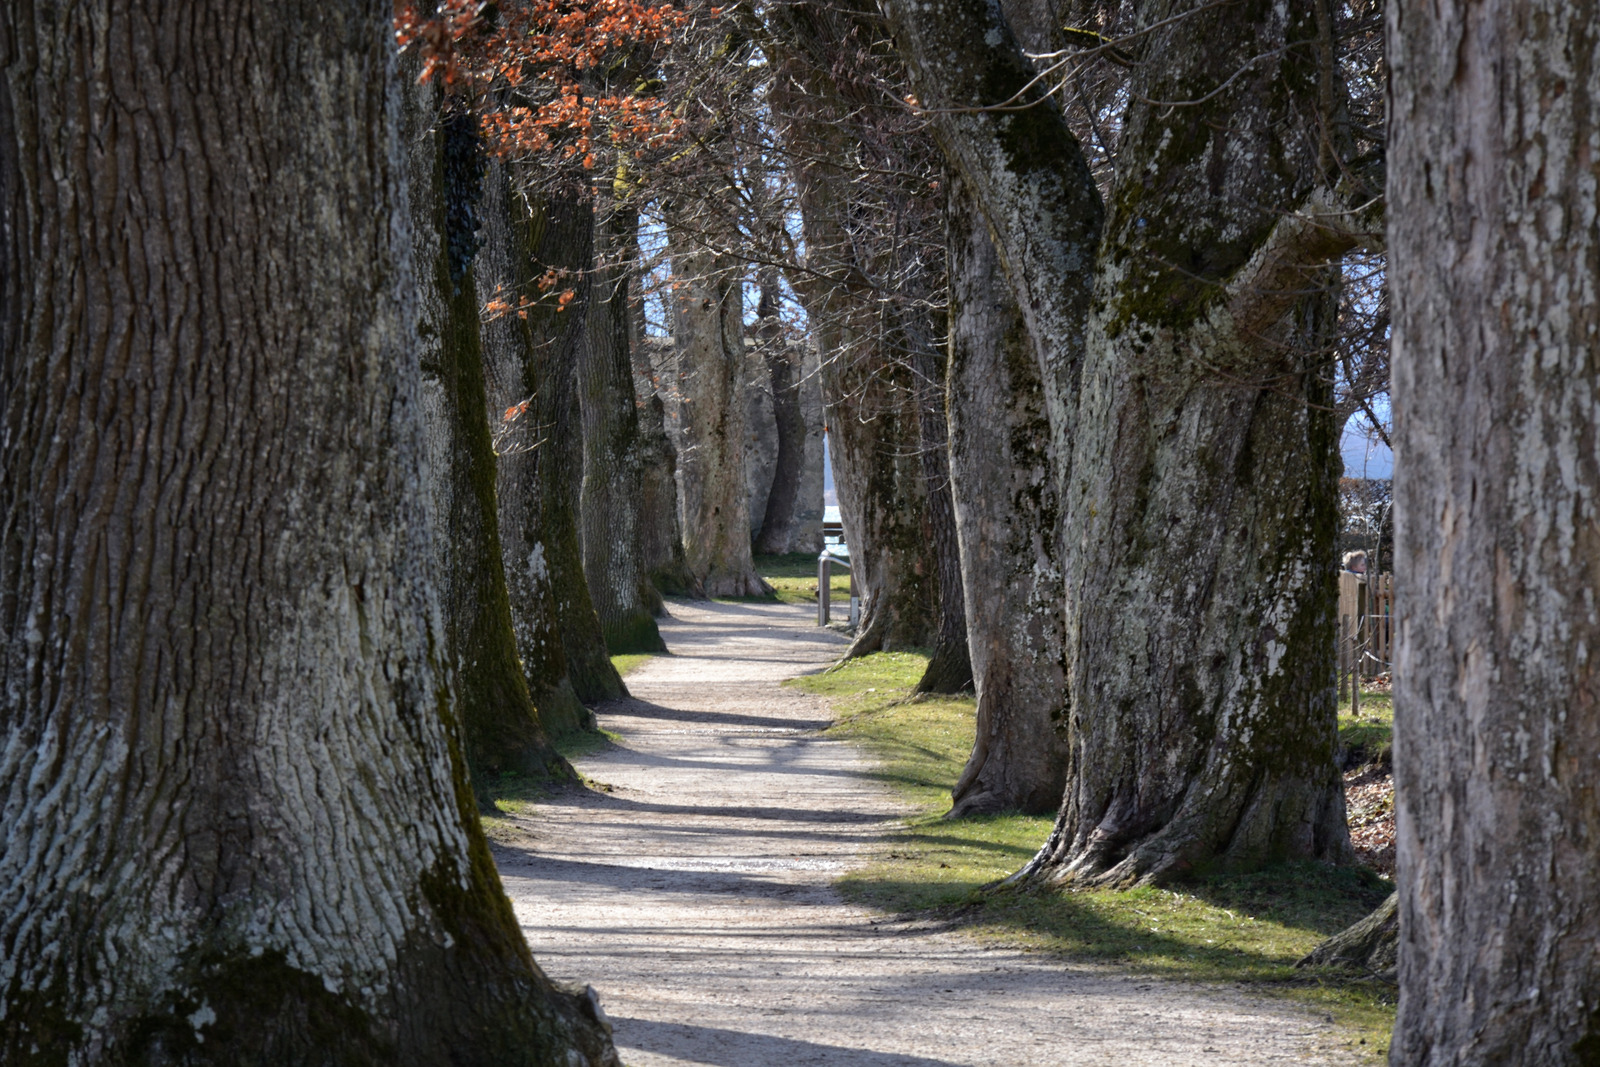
x=692, y=886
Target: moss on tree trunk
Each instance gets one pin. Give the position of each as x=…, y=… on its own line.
x=1181, y=372
x=500, y=725
x=239, y=824
x=541, y=457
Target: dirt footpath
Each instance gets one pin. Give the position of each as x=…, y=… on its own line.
x=696, y=896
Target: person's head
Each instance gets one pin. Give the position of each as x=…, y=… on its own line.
x=1355, y=562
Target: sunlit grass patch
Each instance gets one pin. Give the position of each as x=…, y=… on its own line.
x=507, y=796
x=1246, y=930
x=1367, y=736
x=793, y=578
x=632, y=661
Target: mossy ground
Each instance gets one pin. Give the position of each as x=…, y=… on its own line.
x=793, y=578
x=1246, y=931
x=1366, y=737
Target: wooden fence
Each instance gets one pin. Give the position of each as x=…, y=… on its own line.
x=1366, y=627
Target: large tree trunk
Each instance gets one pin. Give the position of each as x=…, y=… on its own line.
x=1201, y=498
x=870, y=401
x=541, y=462
x=498, y=718
x=1496, y=394
x=613, y=460
x=780, y=516
x=708, y=341
x=530, y=357
x=1007, y=519
x=238, y=829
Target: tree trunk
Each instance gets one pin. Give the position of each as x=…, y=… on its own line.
x=708, y=341
x=550, y=606
x=875, y=445
x=238, y=828
x=1496, y=390
x=869, y=401
x=1007, y=520
x=498, y=718
x=541, y=465
x=780, y=516
x=949, y=668
x=613, y=461
x=1201, y=500
x=1368, y=946
x=661, y=541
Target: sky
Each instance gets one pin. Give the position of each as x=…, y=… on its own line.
x=1364, y=458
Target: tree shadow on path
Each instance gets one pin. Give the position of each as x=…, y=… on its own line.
x=732, y=1048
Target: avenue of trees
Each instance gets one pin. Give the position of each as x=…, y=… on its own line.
x=340, y=453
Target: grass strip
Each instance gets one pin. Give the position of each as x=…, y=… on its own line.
x=1243, y=930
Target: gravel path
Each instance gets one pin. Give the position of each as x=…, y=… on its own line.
x=693, y=889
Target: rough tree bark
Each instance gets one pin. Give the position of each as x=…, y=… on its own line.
x=499, y=722
x=613, y=461
x=949, y=667
x=869, y=398
x=708, y=343
x=780, y=517
x=874, y=441
x=541, y=465
x=1495, y=248
x=660, y=528
x=237, y=825
x=550, y=605
x=1007, y=521
x=1201, y=493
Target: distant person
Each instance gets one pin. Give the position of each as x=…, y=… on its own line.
x=1356, y=562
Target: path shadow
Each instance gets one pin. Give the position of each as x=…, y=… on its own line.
x=661, y=713
x=733, y=1048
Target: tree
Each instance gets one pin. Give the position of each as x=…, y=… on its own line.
x=445, y=167
x=781, y=512
x=1007, y=522
x=238, y=828
x=865, y=287
x=949, y=667
x=1496, y=388
x=529, y=363
x=613, y=446
x=1177, y=337
x=708, y=345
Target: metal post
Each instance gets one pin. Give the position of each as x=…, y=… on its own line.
x=824, y=581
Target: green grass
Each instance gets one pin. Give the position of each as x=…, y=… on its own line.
x=1368, y=736
x=1245, y=930
x=628, y=662
x=793, y=578
x=581, y=743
